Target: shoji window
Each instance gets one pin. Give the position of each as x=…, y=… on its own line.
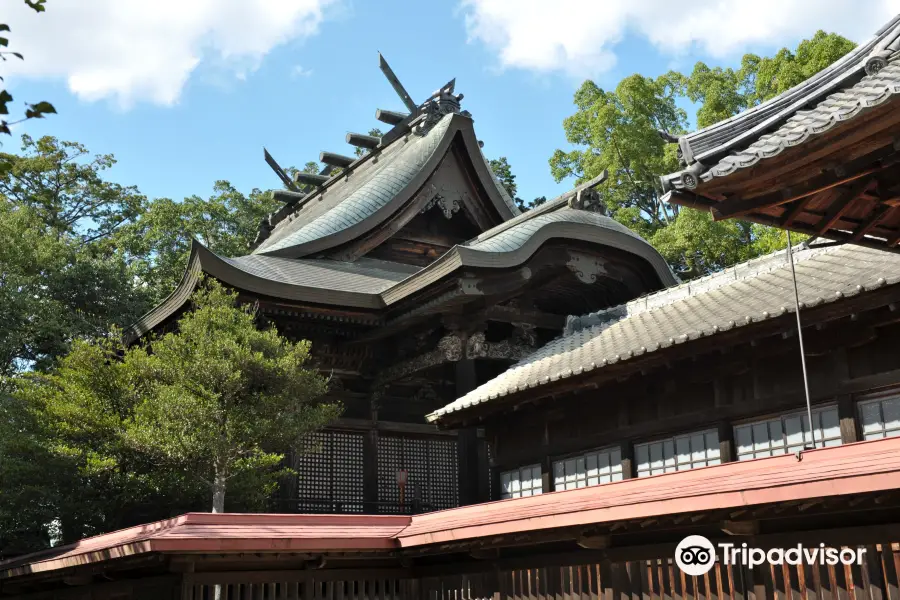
x=787, y=433
x=880, y=417
x=593, y=468
x=678, y=453
x=524, y=481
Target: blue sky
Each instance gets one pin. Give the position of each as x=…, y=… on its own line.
x=297, y=80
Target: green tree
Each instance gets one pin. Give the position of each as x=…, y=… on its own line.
x=224, y=397
x=65, y=187
x=618, y=131
x=73, y=418
x=32, y=111
x=159, y=241
x=503, y=172
x=55, y=289
x=724, y=92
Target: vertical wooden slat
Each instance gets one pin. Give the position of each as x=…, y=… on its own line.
x=634, y=576
x=874, y=574
x=824, y=582
x=246, y=591
x=840, y=582
x=779, y=573
x=810, y=582
x=858, y=582
x=794, y=576
x=892, y=586
x=765, y=572
x=666, y=579
x=677, y=582
x=607, y=582
x=653, y=578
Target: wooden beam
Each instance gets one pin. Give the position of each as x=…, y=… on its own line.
x=794, y=211
x=369, y=142
x=840, y=204
x=311, y=179
x=336, y=160
x=390, y=117
x=538, y=318
x=738, y=206
x=879, y=213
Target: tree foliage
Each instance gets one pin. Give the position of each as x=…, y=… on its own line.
x=503, y=171
x=58, y=282
x=158, y=242
x=113, y=436
x=35, y=110
x=619, y=130
x=223, y=396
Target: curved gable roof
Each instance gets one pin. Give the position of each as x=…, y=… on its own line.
x=366, y=194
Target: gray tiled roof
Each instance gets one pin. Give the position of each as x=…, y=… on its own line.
x=871, y=91
x=838, y=93
x=514, y=237
x=364, y=275
x=368, y=188
x=747, y=293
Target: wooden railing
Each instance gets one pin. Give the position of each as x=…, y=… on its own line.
x=875, y=579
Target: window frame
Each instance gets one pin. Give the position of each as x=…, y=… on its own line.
x=677, y=466
x=786, y=446
x=584, y=456
x=877, y=399
x=532, y=489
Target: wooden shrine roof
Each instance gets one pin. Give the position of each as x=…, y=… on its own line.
x=368, y=191
x=751, y=292
x=848, y=470
x=375, y=284
x=818, y=159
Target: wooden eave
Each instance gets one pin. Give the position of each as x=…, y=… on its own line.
x=841, y=186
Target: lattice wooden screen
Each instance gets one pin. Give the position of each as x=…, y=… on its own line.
x=329, y=467
x=431, y=466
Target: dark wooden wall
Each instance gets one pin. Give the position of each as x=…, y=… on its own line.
x=845, y=361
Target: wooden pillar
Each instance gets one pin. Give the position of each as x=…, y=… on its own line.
x=847, y=416
x=726, y=442
x=470, y=471
x=628, y=467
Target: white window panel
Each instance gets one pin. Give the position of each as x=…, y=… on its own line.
x=524, y=481
x=593, y=468
x=678, y=453
x=787, y=433
x=880, y=418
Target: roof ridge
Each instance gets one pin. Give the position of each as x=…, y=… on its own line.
x=550, y=206
x=739, y=272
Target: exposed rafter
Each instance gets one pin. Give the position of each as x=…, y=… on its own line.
x=879, y=213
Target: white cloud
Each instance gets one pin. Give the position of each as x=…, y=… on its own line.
x=578, y=37
x=299, y=71
x=139, y=50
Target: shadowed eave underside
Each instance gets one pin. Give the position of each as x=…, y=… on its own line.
x=747, y=293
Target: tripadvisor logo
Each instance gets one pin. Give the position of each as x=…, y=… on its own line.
x=696, y=555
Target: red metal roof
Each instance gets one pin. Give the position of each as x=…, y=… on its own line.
x=852, y=469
